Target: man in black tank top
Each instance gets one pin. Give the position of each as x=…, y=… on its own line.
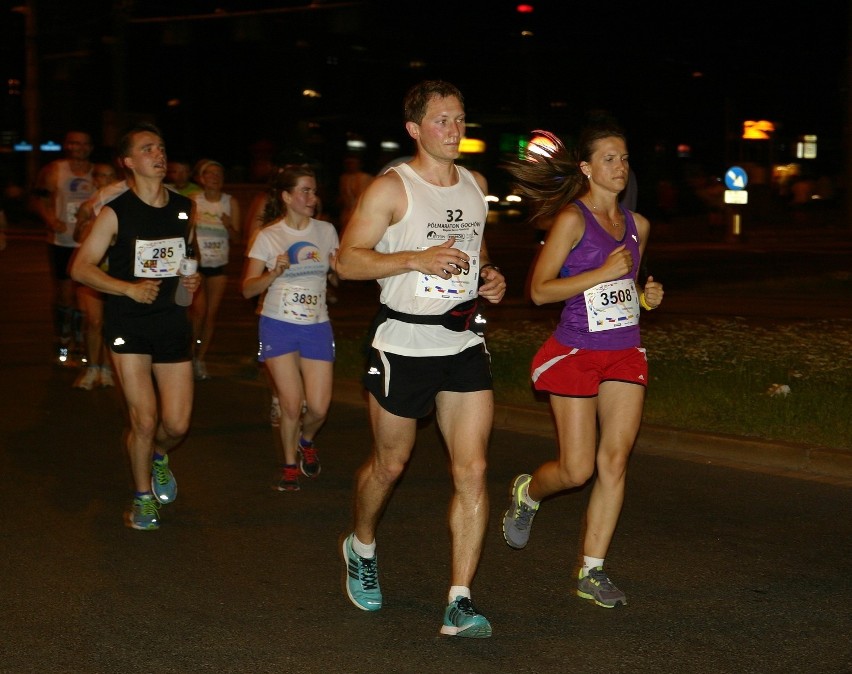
x=146, y=234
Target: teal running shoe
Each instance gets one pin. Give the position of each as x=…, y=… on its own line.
x=599, y=588
x=163, y=483
x=461, y=619
x=362, y=578
x=518, y=518
x=143, y=513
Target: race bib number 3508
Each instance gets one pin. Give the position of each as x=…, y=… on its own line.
x=611, y=305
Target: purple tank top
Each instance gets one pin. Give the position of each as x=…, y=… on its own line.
x=590, y=253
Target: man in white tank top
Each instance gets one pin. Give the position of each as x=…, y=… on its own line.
x=418, y=231
x=61, y=188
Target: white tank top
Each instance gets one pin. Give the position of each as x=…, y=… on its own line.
x=71, y=191
x=433, y=215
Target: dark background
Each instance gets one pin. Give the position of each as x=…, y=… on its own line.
x=224, y=78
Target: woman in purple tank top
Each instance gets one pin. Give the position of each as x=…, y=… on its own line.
x=593, y=366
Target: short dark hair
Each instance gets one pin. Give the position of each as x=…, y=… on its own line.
x=417, y=99
x=126, y=140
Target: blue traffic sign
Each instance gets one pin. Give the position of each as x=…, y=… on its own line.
x=736, y=178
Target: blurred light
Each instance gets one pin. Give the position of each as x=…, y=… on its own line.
x=757, y=130
x=23, y=146
x=540, y=145
x=524, y=9
x=355, y=144
x=416, y=64
x=527, y=33
x=472, y=146
x=684, y=150
x=513, y=198
x=806, y=147
x=389, y=145
x=50, y=146
x=491, y=199
x=173, y=102
x=311, y=93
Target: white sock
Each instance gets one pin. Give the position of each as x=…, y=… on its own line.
x=362, y=549
x=590, y=563
x=459, y=591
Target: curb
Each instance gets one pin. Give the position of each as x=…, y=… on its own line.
x=736, y=451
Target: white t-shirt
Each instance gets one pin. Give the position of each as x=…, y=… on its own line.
x=299, y=294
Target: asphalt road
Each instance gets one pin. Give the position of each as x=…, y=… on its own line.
x=725, y=570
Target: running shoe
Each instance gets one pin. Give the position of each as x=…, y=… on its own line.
x=275, y=413
x=143, y=513
x=362, y=578
x=288, y=479
x=308, y=458
x=88, y=378
x=600, y=589
x=461, y=619
x=106, y=377
x=518, y=518
x=163, y=482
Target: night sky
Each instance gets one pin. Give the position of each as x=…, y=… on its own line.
x=669, y=72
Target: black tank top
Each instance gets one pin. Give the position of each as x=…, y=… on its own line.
x=137, y=221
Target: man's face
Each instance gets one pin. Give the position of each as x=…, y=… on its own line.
x=177, y=174
x=147, y=156
x=78, y=146
x=442, y=128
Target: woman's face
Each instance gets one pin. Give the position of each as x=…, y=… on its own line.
x=302, y=199
x=609, y=166
x=212, y=178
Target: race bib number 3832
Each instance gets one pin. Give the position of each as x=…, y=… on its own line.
x=611, y=305
x=158, y=259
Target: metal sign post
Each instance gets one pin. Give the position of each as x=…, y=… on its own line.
x=736, y=197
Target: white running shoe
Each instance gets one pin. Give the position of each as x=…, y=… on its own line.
x=106, y=377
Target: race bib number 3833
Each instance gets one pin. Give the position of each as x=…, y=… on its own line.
x=611, y=305
x=158, y=259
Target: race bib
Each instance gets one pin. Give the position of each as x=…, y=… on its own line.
x=460, y=288
x=71, y=209
x=158, y=259
x=611, y=305
x=301, y=305
x=214, y=250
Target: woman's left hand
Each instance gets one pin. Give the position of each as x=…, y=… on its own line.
x=653, y=292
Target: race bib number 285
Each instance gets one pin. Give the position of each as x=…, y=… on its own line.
x=158, y=259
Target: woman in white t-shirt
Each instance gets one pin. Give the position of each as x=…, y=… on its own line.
x=289, y=261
